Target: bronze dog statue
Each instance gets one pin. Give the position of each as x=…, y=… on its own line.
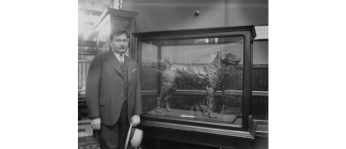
x=208, y=76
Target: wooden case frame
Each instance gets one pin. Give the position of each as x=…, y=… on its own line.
x=161, y=127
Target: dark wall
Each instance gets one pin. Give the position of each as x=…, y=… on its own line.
x=260, y=52
x=158, y=15
x=246, y=12
x=259, y=104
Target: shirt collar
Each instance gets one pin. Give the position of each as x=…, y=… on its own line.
x=118, y=55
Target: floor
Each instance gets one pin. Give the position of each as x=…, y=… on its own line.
x=86, y=139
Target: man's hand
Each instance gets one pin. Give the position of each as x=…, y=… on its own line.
x=135, y=120
x=96, y=123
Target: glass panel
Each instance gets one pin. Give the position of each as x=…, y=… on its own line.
x=200, y=78
x=103, y=37
x=149, y=76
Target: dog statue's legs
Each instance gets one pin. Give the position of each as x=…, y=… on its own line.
x=167, y=103
x=158, y=109
x=170, y=94
x=167, y=91
x=210, y=99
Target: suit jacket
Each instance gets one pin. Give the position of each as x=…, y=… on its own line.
x=105, y=90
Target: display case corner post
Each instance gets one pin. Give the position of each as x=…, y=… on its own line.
x=251, y=73
x=247, y=79
x=138, y=51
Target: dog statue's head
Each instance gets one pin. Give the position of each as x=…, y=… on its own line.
x=228, y=58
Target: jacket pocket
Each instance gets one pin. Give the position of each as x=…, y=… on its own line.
x=103, y=101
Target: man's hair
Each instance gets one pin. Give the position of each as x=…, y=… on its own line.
x=117, y=32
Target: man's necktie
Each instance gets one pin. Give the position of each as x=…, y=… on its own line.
x=121, y=58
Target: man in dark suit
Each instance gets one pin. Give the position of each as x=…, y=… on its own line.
x=113, y=93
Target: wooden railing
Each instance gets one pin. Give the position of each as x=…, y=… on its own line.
x=204, y=92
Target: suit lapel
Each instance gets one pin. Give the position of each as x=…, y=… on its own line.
x=114, y=62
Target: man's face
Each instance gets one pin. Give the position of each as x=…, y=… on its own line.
x=120, y=43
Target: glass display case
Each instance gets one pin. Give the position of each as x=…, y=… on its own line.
x=199, y=77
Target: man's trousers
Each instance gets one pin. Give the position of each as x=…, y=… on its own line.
x=114, y=137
